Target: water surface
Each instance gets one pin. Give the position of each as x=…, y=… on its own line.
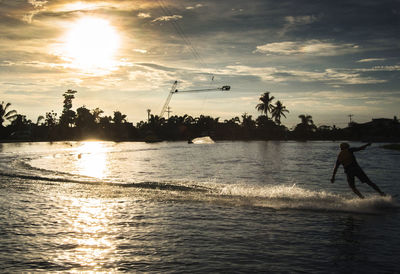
x=175, y=207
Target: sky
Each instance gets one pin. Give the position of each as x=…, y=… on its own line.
x=327, y=59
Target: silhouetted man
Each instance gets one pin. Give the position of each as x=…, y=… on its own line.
x=352, y=169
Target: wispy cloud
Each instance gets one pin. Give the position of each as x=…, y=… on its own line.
x=37, y=3
x=301, y=20
x=167, y=18
x=194, y=7
x=380, y=68
x=290, y=47
x=293, y=22
x=38, y=7
x=367, y=60
x=143, y=51
x=310, y=47
x=144, y=15
x=328, y=76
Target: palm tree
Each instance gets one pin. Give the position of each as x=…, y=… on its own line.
x=306, y=120
x=96, y=114
x=6, y=115
x=39, y=120
x=119, y=118
x=247, y=121
x=266, y=105
x=278, y=111
x=305, y=129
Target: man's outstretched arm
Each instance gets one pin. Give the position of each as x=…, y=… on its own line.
x=361, y=147
x=334, y=171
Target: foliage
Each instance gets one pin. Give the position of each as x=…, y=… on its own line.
x=305, y=128
x=278, y=111
x=68, y=115
x=119, y=118
x=86, y=123
x=20, y=122
x=6, y=114
x=51, y=119
x=265, y=106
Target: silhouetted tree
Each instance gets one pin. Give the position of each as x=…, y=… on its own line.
x=267, y=129
x=305, y=129
x=119, y=118
x=68, y=115
x=51, y=119
x=20, y=122
x=278, y=111
x=84, y=118
x=189, y=120
x=104, y=121
x=265, y=106
x=247, y=121
x=96, y=114
x=233, y=121
x=6, y=114
x=264, y=122
x=206, y=124
x=85, y=123
x=39, y=119
x=248, y=127
x=306, y=120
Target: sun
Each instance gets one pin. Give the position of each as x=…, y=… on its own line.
x=91, y=44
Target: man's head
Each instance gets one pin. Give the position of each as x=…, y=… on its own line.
x=344, y=146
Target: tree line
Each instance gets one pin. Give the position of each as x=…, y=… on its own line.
x=84, y=123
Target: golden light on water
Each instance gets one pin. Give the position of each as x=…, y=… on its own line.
x=89, y=220
x=91, y=44
x=92, y=160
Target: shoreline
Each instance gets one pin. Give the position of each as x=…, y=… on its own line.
x=390, y=144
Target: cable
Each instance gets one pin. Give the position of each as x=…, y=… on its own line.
x=178, y=29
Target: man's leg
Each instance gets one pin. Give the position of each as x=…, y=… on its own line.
x=374, y=186
x=364, y=178
x=351, y=182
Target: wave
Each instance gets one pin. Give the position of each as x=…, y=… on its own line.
x=297, y=198
x=203, y=140
x=142, y=185
x=277, y=197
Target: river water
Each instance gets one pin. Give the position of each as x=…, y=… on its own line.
x=210, y=207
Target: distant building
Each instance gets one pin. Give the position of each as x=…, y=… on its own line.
x=378, y=129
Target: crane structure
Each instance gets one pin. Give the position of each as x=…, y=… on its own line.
x=174, y=90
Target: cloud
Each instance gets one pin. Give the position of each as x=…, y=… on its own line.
x=300, y=20
x=293, y=22
x=194, y=7
x=167, y=18
x=144, y=15
x=279, y=75
x=37, y=3
x=371, y=60
x=380, y=68
x=80, y=6
x=140, y=50
x=38, y=7
x=59, y=8
x=310, y=47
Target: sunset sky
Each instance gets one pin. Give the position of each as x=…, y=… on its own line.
x=327, y=59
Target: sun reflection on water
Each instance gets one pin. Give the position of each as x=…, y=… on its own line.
x=92, y=159
x=89, y=243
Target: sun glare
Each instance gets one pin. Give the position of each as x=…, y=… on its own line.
x=91, y=44
x=92, y=160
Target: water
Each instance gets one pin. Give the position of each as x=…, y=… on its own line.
x=178, y=207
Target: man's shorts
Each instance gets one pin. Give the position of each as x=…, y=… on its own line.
x=356, y=171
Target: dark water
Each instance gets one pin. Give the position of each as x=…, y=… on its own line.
x=173, y=207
